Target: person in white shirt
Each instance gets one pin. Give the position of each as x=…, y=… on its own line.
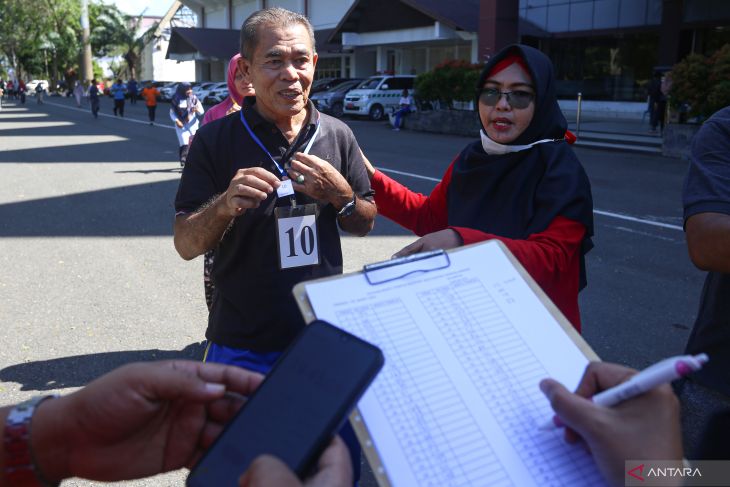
x=406, y=104
x=185, y=111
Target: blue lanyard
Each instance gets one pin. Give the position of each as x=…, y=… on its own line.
x=260, y=144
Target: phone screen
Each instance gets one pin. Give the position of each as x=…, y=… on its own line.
x=297, y=409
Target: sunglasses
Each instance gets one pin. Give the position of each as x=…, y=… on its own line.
x=517, y=99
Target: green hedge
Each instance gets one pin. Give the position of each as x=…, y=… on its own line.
x=450, y=81
x=702, y=83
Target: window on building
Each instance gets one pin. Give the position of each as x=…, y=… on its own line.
x=603, y=68
x=329, y=67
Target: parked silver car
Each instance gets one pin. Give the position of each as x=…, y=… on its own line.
x=204, y=89
x=332, y=101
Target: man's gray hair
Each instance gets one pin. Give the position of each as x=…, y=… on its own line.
x=267, y=18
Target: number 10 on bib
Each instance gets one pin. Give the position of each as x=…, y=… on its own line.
x=297, y=236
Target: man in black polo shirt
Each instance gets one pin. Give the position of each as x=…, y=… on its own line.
x=267, y=188
x=706, y=201
x=236, y=177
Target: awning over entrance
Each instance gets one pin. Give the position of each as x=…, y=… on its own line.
x=193, y=43
x=200, y=44
x=367, y=16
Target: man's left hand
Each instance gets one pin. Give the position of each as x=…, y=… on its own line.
x=321, y=180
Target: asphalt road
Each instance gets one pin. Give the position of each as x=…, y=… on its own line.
x=89, y=278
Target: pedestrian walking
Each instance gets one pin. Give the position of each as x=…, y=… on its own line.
x=21, y=91
x=657, y=103
x=39, y=93
x=94, y=98
x=185, y=110
x=150, y=94
x=118, y=91
x=11, y=90
x=78, y=93
x=132, y=89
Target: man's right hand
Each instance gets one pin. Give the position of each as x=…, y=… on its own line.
x=248, y=188
x=643, y=428
x=179, y=123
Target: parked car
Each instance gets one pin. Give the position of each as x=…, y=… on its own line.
x=325, y=84
x=332, y=101
x=218, y=94
x=168, y=91
x=30, y=85
x=203, y=89
x=377, y=95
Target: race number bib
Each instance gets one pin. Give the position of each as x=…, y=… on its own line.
x=297, y=235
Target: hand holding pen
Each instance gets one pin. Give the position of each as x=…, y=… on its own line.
x=645, y=427
x=662, y=372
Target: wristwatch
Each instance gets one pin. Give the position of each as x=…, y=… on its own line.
x=349, y=208
x=20, y=468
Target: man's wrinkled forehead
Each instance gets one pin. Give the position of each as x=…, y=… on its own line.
x=279, y=51
x=281, y=39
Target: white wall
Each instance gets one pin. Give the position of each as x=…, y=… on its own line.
x=326, y=14
x=402, y=36
x=154, y=65
x=242, y=9
x=293, y=5
x=365, y=60
x=216, y=19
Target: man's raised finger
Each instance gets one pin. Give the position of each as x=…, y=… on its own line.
x=260, y=173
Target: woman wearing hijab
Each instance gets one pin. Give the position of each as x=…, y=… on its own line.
x=521, y=183
x=184, y=112
x=238, y=89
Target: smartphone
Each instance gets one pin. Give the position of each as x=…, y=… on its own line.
x=297, y=409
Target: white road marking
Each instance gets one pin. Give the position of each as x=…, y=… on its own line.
x=609, y=214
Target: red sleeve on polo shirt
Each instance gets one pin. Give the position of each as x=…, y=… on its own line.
x=419, y=213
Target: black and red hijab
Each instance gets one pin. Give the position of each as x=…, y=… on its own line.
x=518, y=194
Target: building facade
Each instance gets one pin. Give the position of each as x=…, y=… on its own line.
x=153, y=61
x=605, y=49
x=609, y=49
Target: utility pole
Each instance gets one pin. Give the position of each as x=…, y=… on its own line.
x=86, y=69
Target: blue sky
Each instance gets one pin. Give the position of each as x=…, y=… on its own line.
x=135, y=7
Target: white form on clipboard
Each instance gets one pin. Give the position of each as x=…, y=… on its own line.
x=466, y=338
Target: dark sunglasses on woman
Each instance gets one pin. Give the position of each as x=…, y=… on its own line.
x=517, y=99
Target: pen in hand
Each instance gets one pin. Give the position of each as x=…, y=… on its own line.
x=660, y=373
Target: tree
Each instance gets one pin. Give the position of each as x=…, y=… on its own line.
x=21, y=37
x=702, y=83
x=450, y=81
x=45, y=36
x=116, y=34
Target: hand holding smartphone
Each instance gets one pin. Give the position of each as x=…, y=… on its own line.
x=301, y=404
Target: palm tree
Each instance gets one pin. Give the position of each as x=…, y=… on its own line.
x=117, y=34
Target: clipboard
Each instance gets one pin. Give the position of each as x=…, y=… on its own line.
x=388, y=271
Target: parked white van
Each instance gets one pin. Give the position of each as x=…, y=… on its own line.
x=377, y=95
